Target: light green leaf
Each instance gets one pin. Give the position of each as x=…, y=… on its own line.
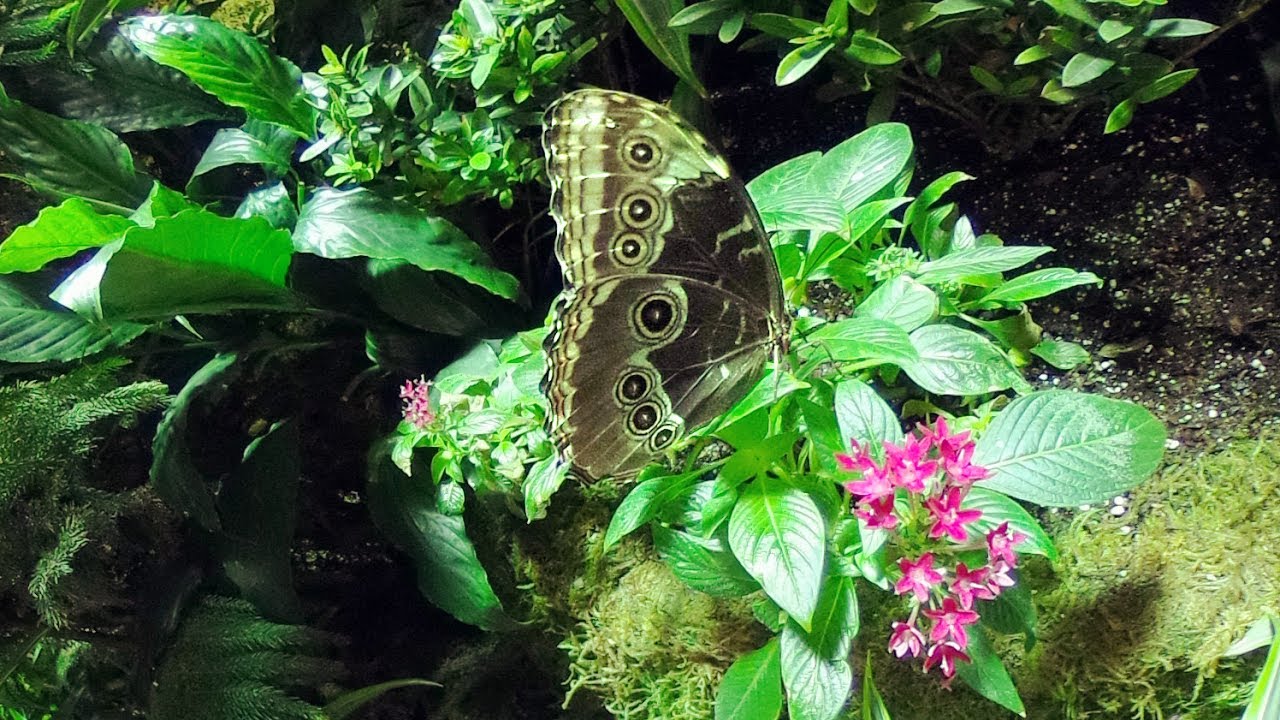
x=651, y=20
x=255, y=144
x=955, y=7
x=30, y=333
x=786, y=198
x=1120, y=117
x=752, y=686
x=1038, y=284
x=860, y=342
x=978, y=261
x=644, y=502
x=272, y=203
x=817, y=688
x=778, y=534
x=704, y=564
x=58, y=232
x=342, y=706
x=228, y=64
x=1111, y=30
x=1073, y=9
x=986, y=674
x=873, y=707
x=998, y=508
x=1083, y=67
x=1062, y=448
x=1265, y=702
x=836, y=620
x=1164, y=86
x=864, y=417
x=161, y=202
x=872, y=50
x=797, y=63
x=954, y=361
x=862, y=166
x=767, y=391
x=1035, y=53
x=1061, y=354
x=902, y=301
x=1177, y=27
x=918, y=211
x=703, y=17
x=359, y=223
x=544, y=478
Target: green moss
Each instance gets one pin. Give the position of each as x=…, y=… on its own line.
x=247, y=16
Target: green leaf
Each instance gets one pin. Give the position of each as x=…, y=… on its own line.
x=1073, y=9
x=978, y=261
x=544, y=478
x=860, y=342
x=1083, y=67
x=644, y=502
x=1011, y=613
x=954, y=361
x=1111, y=30
x=1035, y=53
x=1054, y=92
x=257, y=505
x=752, y=686
x=702, y=17
x=30, y=333
x=767, y=391
x=783, y=26
x=902, y=301
x=1120, y=117
x=194, y=261
x=271, y=203
x=998, y=508
x=436, y=301
x=797, y=63
x=835, y=621
x=862, y=166
x=955, y=7
x=1062, y=448
x=1164, y=86
x=872, y=50
x=756, y=457
x=449, y=573
x=918, y=211
x=1037, y=284
x=255, y=144
x=359, y=223
x=66, y=158
x=986, y=674
x=1177, y=27
x=817, y=688
x=986, y=79
x=704, y=564
x=873, y=707
x=651, y=20
x=864, y=417
x=85, y=18
x=227, y=64
x=1061, y=354
x=787, y=199
x=58, y=232
x=778, y=534
x=127, y=92
x=1265, y=702
x=342, y=706
x=173, y=473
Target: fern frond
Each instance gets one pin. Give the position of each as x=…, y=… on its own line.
x=53, y=567
x=123, y=401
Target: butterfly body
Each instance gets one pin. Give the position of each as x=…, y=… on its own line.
x=673, y=301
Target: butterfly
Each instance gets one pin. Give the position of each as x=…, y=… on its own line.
x=672, y=300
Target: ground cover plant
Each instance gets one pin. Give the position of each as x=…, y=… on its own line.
x=342, y=237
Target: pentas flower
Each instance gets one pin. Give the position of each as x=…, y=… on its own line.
x=918, y=494
x=415, y=395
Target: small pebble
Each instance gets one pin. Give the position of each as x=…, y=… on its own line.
x=1126, y=529
x=1118, y=510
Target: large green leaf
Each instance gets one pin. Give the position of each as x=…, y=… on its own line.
x=128, y=92
x=978, y=261
x=787, y=199
x=228, y=64
x=438, y=301
x=66, y=158
x=258, y=506
x=862, y=166
x=954, y=361
x=58, y=232
x=359, y=223
x=998, y=508
x=1062, y=448
x=1083, y=67
x=194, y=261
x=902, y=301
x=173, y=474
x=986, y=674
x=860, y=342
x=257, y=143
x=836, y=620
x=449, y=573
x=778, y=534
x=817, y=688
x=644, y=502
x=30, y=333
x=1038, y=284
x=752, y=686
x=865, y=417
x=651, y=20
x=704, y=564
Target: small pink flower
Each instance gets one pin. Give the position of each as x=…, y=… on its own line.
x=875, y=482
x=1000, y=544
x=948, y=518
x=918, y=577
x=906, y=640
x=955, y=452
x=998, y=577
x=945, y=656
x=878, y=512
x=949, y=622
x=908, y=465
x=969, y=584
x=417, y=403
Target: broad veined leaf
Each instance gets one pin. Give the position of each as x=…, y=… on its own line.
x=779, y=535
x=919, y=208
x=66, y=158
x=1061, y=354
x=704, y=564
x=644, y=502
x=822, y=428
x=257, y=143
x=836, y=620
x=786, y=198
x=985, y=673
x=257, y=505
x=752, y=686
x=864, y=417
x=1038, y=284
x=57, y=232
x=437, y=301
x=1083, y=68
x=1011, y=613
x=1062, y=448
x=173, y=473
x=978, y=261
x=817, y=688
x=954, y=361
x=651, y=20
x=272, y=203
x=227, y=64
x=358, y=223
x=756, y=457
x=860, y=342
x=862, y=166
x=767, y=391
x=31, y=333
x=544, y=478
x=449, y=572
x=998, y=508
x=901, y=301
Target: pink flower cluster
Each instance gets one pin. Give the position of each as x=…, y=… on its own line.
x=924, y=482
x=417, y=402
